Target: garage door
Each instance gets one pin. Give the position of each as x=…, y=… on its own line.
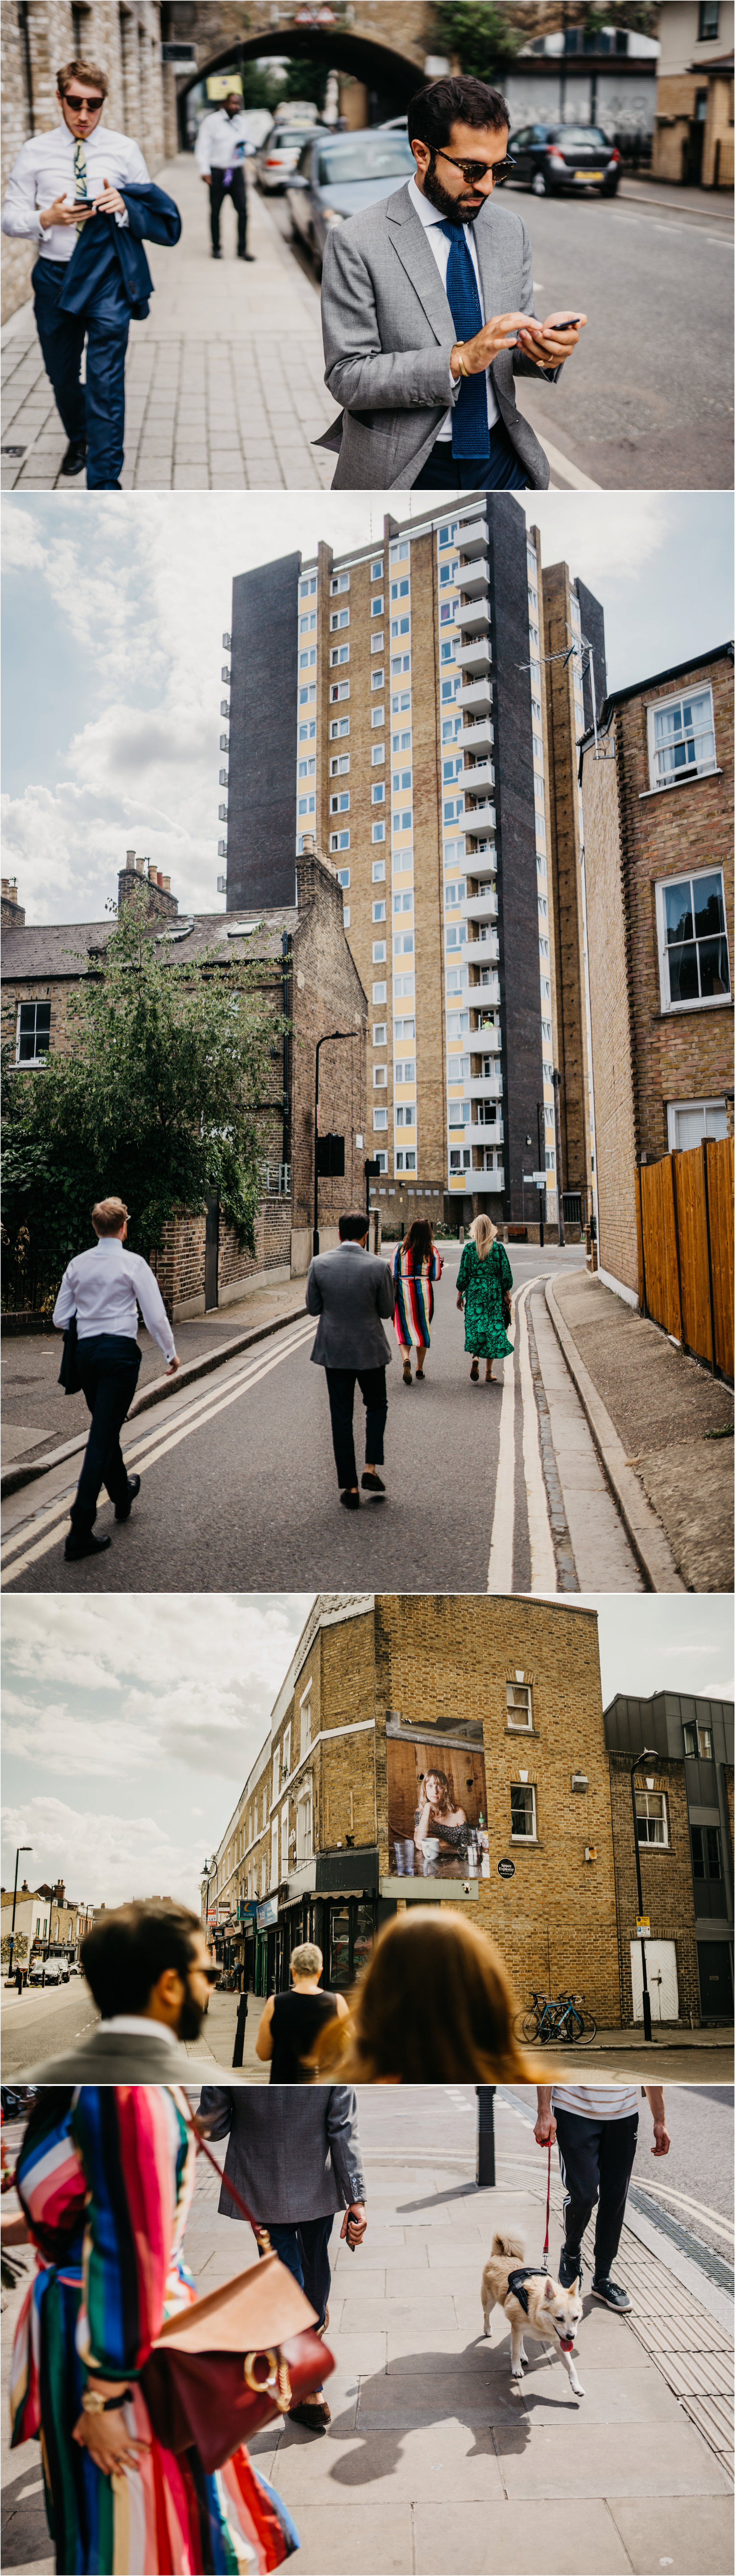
x=663, y=1983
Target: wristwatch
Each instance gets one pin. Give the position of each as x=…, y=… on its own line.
x=93, y=2403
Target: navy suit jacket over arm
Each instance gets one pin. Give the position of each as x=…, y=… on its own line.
x=105, y=245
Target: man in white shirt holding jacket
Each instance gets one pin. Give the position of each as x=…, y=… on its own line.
x=219, y=152
x=103, y=1288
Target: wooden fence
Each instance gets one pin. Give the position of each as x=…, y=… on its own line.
x=684, y=1210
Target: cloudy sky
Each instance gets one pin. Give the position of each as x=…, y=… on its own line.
x=115, y=605
x=127, y=1738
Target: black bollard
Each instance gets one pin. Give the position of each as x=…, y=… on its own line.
x=485, y=2137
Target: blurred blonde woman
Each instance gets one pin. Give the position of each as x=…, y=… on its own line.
x=484, y=1282
x=435, y=2006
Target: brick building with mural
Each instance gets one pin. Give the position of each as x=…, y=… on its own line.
x=311, y=978
x=501, y=1700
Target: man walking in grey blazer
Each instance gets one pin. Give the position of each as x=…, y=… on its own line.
x=150, y=1972
x=349, y=1289
x=428, y=314
x=295, y=2159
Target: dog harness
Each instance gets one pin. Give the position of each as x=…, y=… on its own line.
x=516, y=2281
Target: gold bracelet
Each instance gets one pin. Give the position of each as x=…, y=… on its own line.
x=93, y=2402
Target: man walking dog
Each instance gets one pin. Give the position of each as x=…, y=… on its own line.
x=428, y=314
x=350, y=1289
x=595, y=2127
x=103, y=1289
x=83, y=194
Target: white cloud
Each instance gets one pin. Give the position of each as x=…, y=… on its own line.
x=102, y=1858
x=609, y=536
x=192, y=1684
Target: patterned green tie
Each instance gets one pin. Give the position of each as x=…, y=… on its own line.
x=80, y=177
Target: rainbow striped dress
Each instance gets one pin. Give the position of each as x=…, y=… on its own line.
x=106, y=2179
x=414, y=1297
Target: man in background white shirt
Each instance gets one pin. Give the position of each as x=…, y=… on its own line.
x=103, y=1288
x=219, y=157
x=47, y=201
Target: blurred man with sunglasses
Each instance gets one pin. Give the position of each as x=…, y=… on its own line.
x=428, y=314
x=150, y=1971
x=62, y=181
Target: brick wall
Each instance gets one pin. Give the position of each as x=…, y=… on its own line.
x=610, y=1012
x=666, y=1880
x=327, y=994
x=565, y=886
x=179, y=1265
x=126, y=47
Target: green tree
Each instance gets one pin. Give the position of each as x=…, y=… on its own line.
x=160, y=1100
x=480, y=34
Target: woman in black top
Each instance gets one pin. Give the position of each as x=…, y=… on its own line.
x=290, y=2024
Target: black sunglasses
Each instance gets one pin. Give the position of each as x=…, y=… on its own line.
x=76, y=103
x=478, y=169
x=211, y=1975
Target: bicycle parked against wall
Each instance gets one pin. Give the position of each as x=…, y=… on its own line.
x=560, y=2019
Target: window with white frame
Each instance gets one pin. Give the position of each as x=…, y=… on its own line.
x=274, y=1852
x=33, y=1035
x=377, y=717
x=681, y=738
x=305, y=1724
x=340, y=725
x=693, y=955
x=304, y=1824
x=378, y=871
x=380, y=1033
x=340, y=581
x=379, y=911
x=518, y=1705
x=339, y=617
x=380, y=1077
x=340, y=803
x=690, y=1121
x=276, y=1775
x=284, y=1840
x=286, y=1752
x=264, y=1875
x=378, y=833
x=652, y=1824
x=377, y=792
x=339, y=764
x=380, y=1117
x=523, y=1813
x=377, y=679
x=265, y=1807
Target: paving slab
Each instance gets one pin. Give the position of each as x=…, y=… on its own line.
x=547, y=2539
x=367, y=2539
x=578, y=2459
x=449, y=2459
x=683, y=2537
x=664, y=1408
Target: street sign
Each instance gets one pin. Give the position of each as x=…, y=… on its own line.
x=642, y=1927
x=540, y=1179
x=506, y=1869
x=267, y=1913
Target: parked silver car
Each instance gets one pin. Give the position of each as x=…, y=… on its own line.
x=279, y=154
x=339, y=173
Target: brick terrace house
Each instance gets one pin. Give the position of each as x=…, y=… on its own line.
x=657, y=792
x=312, y=978
x=683, y=1803
x=505, y=1695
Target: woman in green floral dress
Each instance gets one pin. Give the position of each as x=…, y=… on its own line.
x=482, y=1279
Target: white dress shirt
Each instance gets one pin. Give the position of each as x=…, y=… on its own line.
x=431, y=219
x=144, y=2022
x=217, y=141
x=44, y=170
x=104, y=1288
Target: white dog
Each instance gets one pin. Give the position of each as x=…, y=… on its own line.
x=535, y=2301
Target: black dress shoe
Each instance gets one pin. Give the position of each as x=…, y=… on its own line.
x=75, y=458
x=83, y=1543
x=350, y=1499
x=373, y=1484
x=246, y=254
x=216, y=254
x=122, y=1510
x=313, y=2414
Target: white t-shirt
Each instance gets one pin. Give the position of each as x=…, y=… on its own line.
x=440, y=248
x=597, y=2101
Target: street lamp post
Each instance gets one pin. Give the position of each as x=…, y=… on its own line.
x=328, y=1040
x=556, y=1079
x=22, y=1847
x=648, y=1755
x=485, y=2136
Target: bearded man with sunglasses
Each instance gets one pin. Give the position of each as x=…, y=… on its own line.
x=428, y=315
x=150, y=1970
x=61, y=184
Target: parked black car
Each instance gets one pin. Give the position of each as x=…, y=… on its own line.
x=551, y=158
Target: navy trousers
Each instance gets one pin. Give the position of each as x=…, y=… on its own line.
x=108, y=1368
x=341, y=1391
x=96, y=413
x=596, y=2158
x=501, y=471
x=305, y=2251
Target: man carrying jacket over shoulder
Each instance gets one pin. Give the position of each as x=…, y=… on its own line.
x=84, y=195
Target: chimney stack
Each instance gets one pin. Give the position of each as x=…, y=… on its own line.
x=13, y=916
x=159, y=903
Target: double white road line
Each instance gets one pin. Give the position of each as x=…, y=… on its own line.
x=43, y=1529
x=544, y=1577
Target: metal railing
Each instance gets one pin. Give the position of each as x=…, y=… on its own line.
x=274, y=1180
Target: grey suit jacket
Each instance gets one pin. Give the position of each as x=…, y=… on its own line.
x=349, y=1290
x=388, y=333
x=108, y=2056
x=293, y=2152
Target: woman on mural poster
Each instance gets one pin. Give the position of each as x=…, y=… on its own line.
x=438, y=1822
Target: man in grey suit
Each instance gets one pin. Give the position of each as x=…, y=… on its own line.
x=349, y=1289
x=294, y=2156
x=150, y=1973
x=428, y=314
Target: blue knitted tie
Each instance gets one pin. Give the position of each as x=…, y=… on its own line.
x=470, y=432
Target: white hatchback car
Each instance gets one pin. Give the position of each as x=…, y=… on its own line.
x=279, y=154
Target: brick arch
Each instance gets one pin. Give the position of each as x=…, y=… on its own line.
x=389, y=73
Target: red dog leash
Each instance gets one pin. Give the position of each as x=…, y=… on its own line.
x=548, y=2205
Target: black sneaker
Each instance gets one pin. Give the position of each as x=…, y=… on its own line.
x=122, y=1510
x=570, y=2267
x=83, y=1543
x=76, y=457
x=611, y=2294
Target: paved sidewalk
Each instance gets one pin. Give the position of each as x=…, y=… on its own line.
x=434, y=2465
x=666, y=1410
x=35, y=1414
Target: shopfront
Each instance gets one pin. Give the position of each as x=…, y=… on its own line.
x=333, y=1901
